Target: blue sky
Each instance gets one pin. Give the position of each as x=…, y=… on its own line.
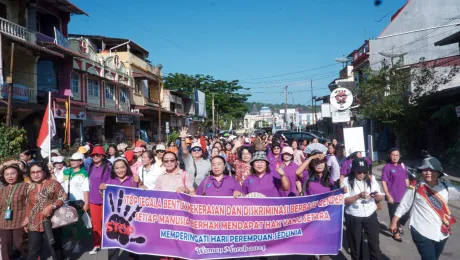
x=248, y=40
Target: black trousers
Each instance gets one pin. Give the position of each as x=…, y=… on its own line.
x=36, y=240
x=355, y=227
x=392, y=210
x=10, y=238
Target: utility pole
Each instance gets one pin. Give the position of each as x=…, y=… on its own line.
x=9, y=81
x=285, y=112
x=311, y=85
x=159, y=111
x=213, y=125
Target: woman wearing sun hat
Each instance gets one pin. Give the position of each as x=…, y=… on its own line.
x=262, y=180
x=99, y=172
x=427, y=201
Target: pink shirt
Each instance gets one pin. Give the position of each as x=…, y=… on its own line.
x=171, y=181
x=135, y=168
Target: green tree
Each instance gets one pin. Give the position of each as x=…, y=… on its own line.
x=12, y=140
x=228, y=103
x=394, y=94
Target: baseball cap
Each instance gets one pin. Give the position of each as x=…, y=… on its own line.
x=196, y=144
x=160, y=147
x=57, y=159
x=77, y=157
x=288, y=150
x=360, y=165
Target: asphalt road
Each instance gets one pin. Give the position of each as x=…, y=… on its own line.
x=391, y=249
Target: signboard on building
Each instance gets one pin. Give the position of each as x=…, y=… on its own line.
x=200, y=103
x=341, y=98
x=167, y=127
x=341, y=116
x=76, y=113
x=94, y=119
x=20, y=92
x=121, y=118
x=60, y=39
x=326, y=110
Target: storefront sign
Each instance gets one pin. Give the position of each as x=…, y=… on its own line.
x=341, y=98
x=341, y=116
x=124, y=119
x=94, y=119
x=167, y=128
x=76, y=113
x=20, y=92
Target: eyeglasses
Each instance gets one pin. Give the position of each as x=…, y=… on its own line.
x=37, y=172
x=169, y=161
x=359, y=173
x=196, y=149
x=161, y=151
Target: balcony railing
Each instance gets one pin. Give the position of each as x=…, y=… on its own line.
x=142, y=64
x=17, y=31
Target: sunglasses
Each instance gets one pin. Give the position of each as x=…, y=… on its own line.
x=196, y=150
x=97, y=155
x=161, y=151
x=169, y=161
x=359, y=173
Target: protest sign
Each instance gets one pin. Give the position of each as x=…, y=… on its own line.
x=196, y=227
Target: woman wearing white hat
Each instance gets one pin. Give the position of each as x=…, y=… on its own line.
x=58, y=168
x=430, y=217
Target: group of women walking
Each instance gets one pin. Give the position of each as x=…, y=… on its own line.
x=34, y=190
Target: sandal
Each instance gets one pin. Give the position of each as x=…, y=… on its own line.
x=401, y=231
x=397, y=239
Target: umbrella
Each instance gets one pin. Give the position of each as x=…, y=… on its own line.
x=315, y=146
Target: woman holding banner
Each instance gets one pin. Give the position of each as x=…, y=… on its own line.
x=262, y=180
x=218, y=182
x=360, y=211
x=120, y=175
x=174, y=179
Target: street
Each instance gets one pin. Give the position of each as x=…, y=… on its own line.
x=391, y=249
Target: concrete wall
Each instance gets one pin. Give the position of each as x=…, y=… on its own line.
x=417, y=15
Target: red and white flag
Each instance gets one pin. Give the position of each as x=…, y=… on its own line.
x=47, y=131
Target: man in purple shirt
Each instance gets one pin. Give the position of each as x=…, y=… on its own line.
x=395, y=180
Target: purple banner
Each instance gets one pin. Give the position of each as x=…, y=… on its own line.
x=178, y=225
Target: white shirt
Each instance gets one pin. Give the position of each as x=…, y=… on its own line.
x=149, y=177
x=59, y=174
x=334, y=167
x=422, y=217
x=79, y=184
x=361, y=207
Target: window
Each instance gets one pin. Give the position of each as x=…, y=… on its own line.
x=47, y=75
x=109, y=92
x=75, y=82
x=123, y=96
x=93, y=88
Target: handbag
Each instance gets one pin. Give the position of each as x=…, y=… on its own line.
x=64, y=216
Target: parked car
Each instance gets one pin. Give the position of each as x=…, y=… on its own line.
x=318, y=134
x=299, y=136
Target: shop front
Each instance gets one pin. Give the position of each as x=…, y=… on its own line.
x=77, y=117
x=119, y=128
x=93, y=127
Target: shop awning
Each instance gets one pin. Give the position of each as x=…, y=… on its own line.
x=143, y=75
x=72, y=102
x=110, y=111
x=66, y=6
x=149, y=108
x=33, y=46
x=58, y=48
x=26, y=106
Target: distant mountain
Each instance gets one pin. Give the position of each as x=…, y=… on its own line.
x=277, y=107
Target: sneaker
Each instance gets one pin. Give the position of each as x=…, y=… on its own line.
x=77, y=248
x=68, y=246
x=95, y=251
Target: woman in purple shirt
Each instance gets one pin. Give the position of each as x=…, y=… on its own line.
x=395, y=180
x=99, y=172
x=289, y=167
x=319, y=180
x=218, y=182
x=262, y=180
x=120, y=175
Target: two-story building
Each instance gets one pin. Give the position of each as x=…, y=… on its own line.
x=147, y=88
x=104, y=85
x=34, y=57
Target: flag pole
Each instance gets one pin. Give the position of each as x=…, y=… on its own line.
x=49, y=125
